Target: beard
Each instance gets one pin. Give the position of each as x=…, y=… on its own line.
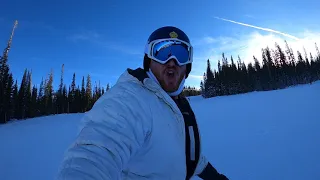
x=170, y=81
x=169, y=75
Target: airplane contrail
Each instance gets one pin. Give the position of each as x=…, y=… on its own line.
x=261, y=28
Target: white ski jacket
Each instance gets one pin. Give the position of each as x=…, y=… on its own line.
x=134, y=131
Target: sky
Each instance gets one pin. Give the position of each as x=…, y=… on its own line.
x=104, y=38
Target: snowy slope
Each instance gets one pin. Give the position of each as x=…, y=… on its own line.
x=32, y=149
x=255, y=136
x=263, y=135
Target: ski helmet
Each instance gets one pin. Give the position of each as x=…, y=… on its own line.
x=162, y=33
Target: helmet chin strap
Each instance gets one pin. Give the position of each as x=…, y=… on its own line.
x=177, y=92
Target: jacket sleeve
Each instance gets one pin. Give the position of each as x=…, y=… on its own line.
x=206, y=171
x=202, y=164
x=113, y=131
x=210, y=173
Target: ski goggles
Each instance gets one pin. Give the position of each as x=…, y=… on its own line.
x=163, y=50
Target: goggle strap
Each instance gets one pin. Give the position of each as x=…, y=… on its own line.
x=146, y=49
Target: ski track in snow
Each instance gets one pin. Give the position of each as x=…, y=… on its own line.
x=254, y=136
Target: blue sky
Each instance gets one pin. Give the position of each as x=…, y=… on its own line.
x=103, y=38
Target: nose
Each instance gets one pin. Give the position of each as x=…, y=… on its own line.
x=172, y=62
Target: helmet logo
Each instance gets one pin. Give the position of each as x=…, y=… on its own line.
x=173, y=34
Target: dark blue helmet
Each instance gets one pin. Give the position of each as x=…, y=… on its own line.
x=166, y=32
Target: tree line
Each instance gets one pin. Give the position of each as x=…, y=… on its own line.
x=279, y=69
x=190, y=91
x=27, y=101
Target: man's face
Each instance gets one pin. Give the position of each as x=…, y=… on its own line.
x=169, y=75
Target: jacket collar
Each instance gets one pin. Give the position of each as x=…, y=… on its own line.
x=141, y=75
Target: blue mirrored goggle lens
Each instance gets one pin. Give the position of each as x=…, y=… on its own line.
x=163, y=50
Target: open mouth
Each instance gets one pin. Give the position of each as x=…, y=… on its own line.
x=170, y=73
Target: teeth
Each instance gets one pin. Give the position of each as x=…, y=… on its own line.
x=170, y=72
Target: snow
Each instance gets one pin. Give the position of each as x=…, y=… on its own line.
x=33, y=148
x=254, y=136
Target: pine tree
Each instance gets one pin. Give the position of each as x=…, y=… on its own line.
x=69, y=107
x=99, y=90
x=65, y=99
x=6, y=82
x=307, y=67
x=83, y=96
x=77, y=100
x=268, y=71
x=256, y=74
x=28, y=94
x=313, y=68
x=317, y=62
x=8, y=98
x=5, y=89
x=253, y=78
x=291, y=70
x=108, y=87
x=59, y=101
x=247, y=86
x=282, y=68
x=95, y=93
x=300, y=68
x=89, y=93
x=276, y=57
x=22, y=96
x=210, y=89
x=41, y=98
x=318, y=52
x=201, y=87
x=289, y=52
x=242, y=75
x=306, y=58
x=15, y=100
x=72, y=96
x=234, y=77
x=225, y=80
x=203, y=91
x=49, y=95
x=34, y=110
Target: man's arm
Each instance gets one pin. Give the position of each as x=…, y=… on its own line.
x=210, y=173
x=206, y=171
x=112, y=133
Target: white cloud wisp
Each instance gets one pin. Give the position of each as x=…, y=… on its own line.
x=261, y=28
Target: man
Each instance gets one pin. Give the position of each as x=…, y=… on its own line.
x=142, y=128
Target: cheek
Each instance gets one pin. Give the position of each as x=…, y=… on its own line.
x=156, y=70
x=183, y=71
